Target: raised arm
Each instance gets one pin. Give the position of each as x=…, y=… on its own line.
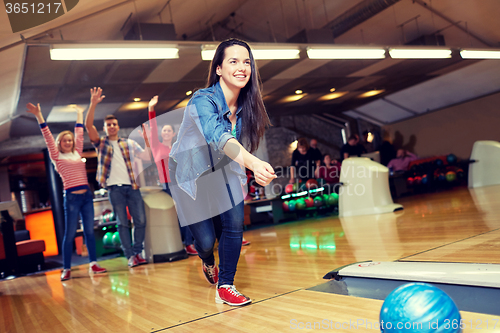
x=79, y=130
x=35, y=110
x=155, y=142
x=47, y=135
x=96, y=97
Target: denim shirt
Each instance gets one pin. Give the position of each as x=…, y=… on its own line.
x=204, y=132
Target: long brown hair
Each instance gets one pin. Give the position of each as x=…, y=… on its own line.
x=254, y=116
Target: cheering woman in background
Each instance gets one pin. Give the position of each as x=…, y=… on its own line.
x=65, y=153
x=161, y=150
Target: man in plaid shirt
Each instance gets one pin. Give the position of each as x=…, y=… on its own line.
x=114, y=172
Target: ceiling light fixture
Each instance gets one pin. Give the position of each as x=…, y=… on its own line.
x=291, y=98
x=298, y=91
x=331, y=96
x=411, y=53
x=113, y=51
x=189, y=92
x=480, y=54
x=371, y=93
x=332, y=89
x=137, y=99
x=133, y=106
x=208, y=52
x=346, y=53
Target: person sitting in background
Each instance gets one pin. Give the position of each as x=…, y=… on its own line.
x=330, y=172
x=402, y=160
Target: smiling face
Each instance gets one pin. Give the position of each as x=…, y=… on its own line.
x=111, y=128
x=167, y=134
x=66, y=143
x=235, y=70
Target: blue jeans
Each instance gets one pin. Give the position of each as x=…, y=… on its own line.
x=122, y=197
x=187, y=237
x=76, y=205
x=205, y=232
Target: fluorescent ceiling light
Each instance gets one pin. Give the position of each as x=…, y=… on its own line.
x=420, y=53
x=346, y=53
x=207, y=54
x=259, y=54
x=122, y=51
x=480, y=54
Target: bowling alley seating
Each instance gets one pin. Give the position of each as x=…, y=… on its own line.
x=18, y=249
x=484, y=169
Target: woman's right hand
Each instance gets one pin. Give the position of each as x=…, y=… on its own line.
x=35, y=110
x=152, y=103
x=263, y=173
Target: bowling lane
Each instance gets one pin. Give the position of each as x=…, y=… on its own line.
x=484, y=248
x=311, y=310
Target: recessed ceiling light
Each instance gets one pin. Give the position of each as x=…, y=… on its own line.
x=291, y=98
x=331, y=96
x=133, y=106
x=189, y=92
x=332, y=89
x=371, y=93
x=298, y=91
x=137, y=99
x=182, y=104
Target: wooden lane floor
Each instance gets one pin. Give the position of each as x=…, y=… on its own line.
x=483, y=248
x=281, y=261
x=480, y=247
x=305, y=310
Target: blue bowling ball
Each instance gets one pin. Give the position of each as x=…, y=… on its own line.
x=451, y=159
x=419, y=307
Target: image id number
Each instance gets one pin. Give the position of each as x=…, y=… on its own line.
x=32, y=8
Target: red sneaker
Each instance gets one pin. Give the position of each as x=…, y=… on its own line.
x=190, y=249
x=245, y=242
x=66, y=274
x=211, y=273
x=132, y=261
x=140, y=259
x=229, y=295
x=96, y=269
